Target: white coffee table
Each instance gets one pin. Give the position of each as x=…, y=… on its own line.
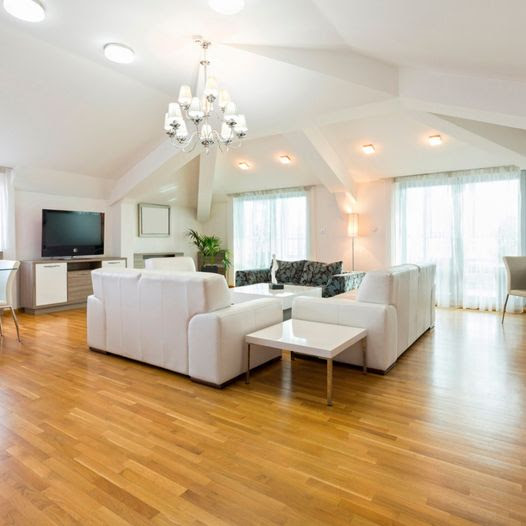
x=322, y=340
x=285, y=295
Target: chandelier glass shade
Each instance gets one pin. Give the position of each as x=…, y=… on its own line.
x=208, y=118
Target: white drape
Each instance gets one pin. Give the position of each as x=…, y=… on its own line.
x=464, y=222
x=7, y=214
x=270, y=222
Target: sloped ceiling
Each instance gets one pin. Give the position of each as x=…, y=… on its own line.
x=352, y=72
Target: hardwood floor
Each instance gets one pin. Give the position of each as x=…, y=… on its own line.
x=87, y=438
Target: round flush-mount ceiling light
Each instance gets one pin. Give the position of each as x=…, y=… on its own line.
x=227, y=7
x=27, y=10
x=119, y=53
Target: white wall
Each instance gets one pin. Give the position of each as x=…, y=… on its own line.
x=373, y=245
x=127, y=241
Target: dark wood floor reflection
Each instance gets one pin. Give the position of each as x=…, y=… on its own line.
x=93, y=439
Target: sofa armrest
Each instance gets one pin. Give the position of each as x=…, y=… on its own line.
x=380, y=321
x=340, y=283
x=96, y=321
x=216, y=340
x=250, y=277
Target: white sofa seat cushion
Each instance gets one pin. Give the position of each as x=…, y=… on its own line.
x=174, y=264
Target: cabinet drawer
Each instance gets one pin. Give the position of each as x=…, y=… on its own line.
x=117, y=263
x=79, y=286
x=51, y=283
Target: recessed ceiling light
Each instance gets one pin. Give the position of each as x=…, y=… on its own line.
x=27, y=10
x=368, y=149
x=119, y=53
x=243, y=165
x=285, y=159
x=227, y=7
x=435, y=140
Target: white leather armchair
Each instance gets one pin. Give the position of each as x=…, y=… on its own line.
x=177, y=264
x=515, y=278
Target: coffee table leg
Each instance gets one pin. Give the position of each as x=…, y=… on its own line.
x=364, y=355
x=329, y=381
x=247, y=377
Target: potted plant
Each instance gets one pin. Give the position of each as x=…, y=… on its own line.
x=210, y=250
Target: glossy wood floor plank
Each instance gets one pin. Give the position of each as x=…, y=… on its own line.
x=87, y=438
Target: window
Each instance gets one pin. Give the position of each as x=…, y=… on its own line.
x=267, y=223
x=7, y=214
x=464, y=222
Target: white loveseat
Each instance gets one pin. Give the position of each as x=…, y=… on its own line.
x=182, y=321
x=396, y=306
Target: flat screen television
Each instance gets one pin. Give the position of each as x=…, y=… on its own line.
x=70, y=233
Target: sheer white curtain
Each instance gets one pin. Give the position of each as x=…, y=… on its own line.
x=7, y=214
x=464, y=222
x=270, y=222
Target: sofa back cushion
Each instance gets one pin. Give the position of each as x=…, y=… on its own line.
x=289, y=271
x=409, y=289
x=317, y=274
x=177, y=264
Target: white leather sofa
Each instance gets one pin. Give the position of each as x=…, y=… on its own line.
x=396, y=306
x=182, y=321
x=177, y=264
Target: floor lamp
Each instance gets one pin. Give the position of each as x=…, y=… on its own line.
x=352, y=232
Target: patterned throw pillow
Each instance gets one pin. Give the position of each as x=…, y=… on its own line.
x=318, y=274
x=289, y=271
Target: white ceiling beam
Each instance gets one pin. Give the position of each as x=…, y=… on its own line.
x=473, y=137
x=317, y=153
x=205, y=190
x=165, y=156
x=513, y=139
x=345, y=65
x=373, y=109
x=495, y=101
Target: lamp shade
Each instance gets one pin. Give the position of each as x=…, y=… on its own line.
x=174, y=110
x=211, y=89
x=224, y=98
x=352, y=226
x=185, y=95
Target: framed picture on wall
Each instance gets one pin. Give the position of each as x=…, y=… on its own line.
x=154, y=220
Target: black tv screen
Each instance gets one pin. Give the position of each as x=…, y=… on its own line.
x=69, y=233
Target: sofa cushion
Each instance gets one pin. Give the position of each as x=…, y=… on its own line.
x=318, y=274
x=289, y=271
x=377, y=287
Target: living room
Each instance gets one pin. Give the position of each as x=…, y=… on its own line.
x=262, y=262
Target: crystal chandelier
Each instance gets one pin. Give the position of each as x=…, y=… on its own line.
x=208, y=118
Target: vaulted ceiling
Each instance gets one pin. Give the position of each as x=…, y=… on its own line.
x=315, y=78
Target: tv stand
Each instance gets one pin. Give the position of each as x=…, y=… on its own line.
x=48, y=285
